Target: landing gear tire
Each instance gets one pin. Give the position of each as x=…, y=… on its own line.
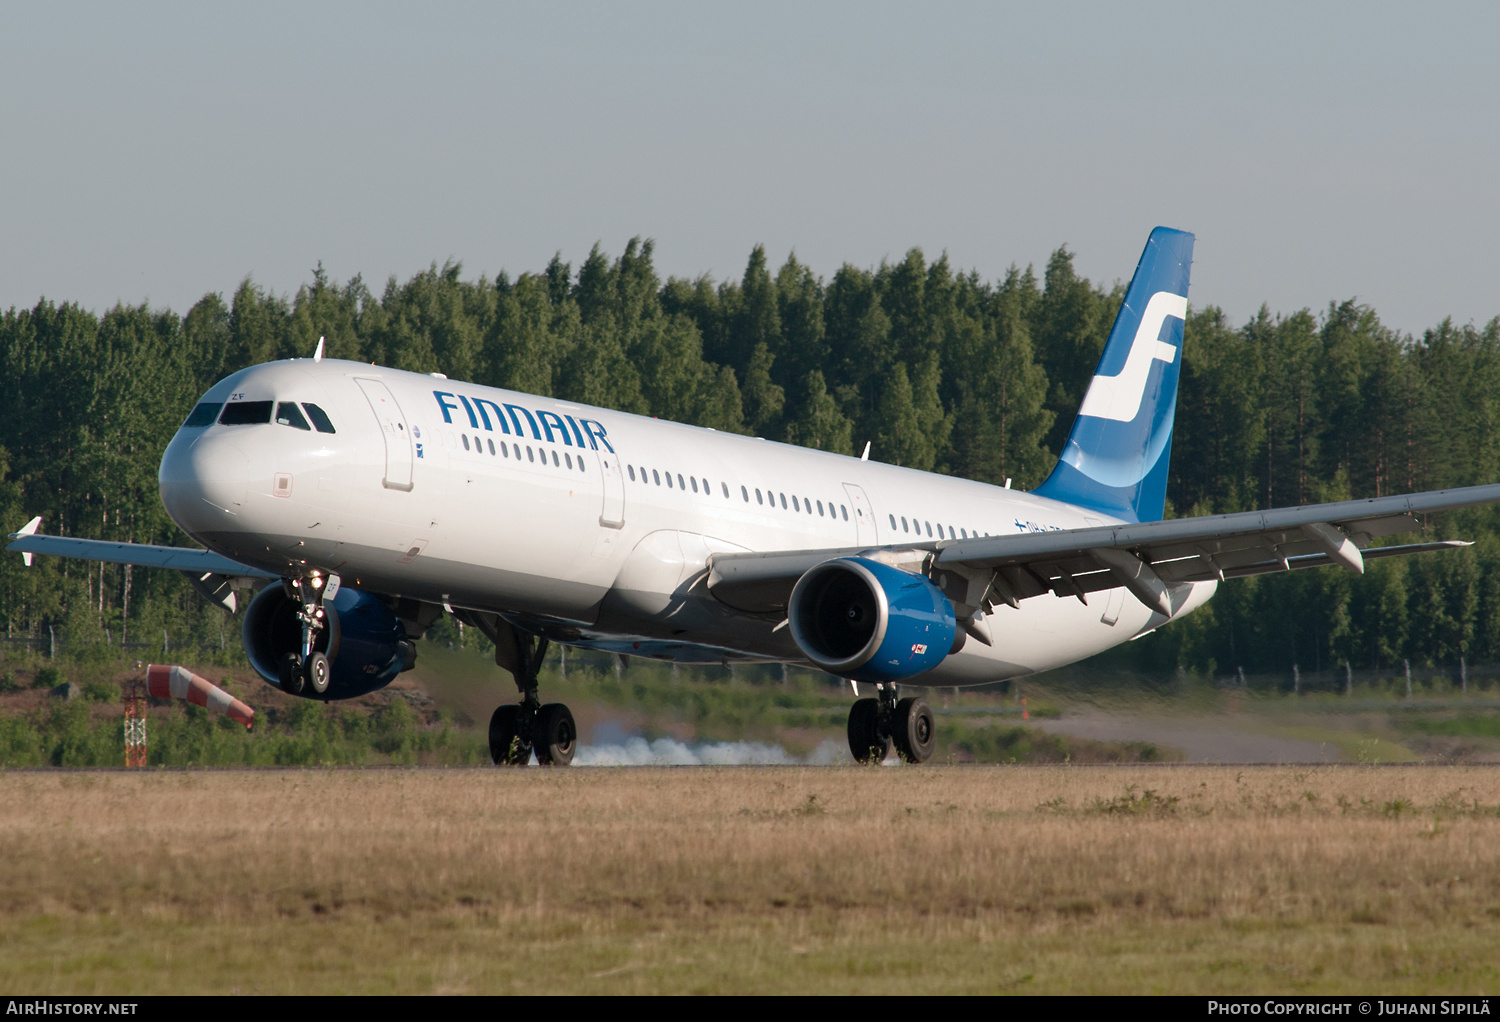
x=508, y=744
x=291, y=674
x=865, y=740
x=316, y=672
x=915, y=730
x=555, y=734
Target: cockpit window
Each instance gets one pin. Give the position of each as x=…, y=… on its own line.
x=203, y=415
x=245, y=413
x=287, y=414
x=319, y=418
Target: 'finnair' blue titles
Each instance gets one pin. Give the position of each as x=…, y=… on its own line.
x=542, y=423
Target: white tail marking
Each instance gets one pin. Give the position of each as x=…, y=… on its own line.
x=1119, y=397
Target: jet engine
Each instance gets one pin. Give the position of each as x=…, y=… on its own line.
x=861, y=619
x=365, y=643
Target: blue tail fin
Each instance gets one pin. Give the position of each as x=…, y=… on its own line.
x=1115, y=460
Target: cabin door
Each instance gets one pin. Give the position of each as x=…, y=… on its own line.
x=864, y=516
x=612, y=514
x=395, y=430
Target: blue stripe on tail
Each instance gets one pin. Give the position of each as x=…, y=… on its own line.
x=1116, y=457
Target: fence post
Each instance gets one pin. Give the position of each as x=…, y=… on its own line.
x=1296, y=681
x=52, y=649
x=1348, y=679
x=1463, y=675
x=1407, y=664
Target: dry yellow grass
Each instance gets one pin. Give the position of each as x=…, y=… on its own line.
x=1150, y=879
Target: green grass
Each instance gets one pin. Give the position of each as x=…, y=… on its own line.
x=795, y=952
x=1480, y=725
x=1190, y=880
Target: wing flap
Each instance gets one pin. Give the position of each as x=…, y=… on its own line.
x=1186, y=574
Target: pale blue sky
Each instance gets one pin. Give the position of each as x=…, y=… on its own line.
x=1319, y=151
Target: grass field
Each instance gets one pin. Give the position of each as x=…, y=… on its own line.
x=1133, y=878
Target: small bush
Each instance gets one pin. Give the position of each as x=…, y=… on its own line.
x=8, y=682
x=47, y=677
x=100, y=691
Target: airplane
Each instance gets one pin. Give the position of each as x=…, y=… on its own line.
x=361, y=503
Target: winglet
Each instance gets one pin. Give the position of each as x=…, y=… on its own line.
x=318, y=355
x=29, y=529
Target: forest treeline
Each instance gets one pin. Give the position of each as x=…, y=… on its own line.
x=938, y=369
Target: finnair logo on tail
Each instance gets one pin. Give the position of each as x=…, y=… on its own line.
x=1119, y=397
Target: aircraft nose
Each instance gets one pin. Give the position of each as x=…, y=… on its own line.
x=203, y=480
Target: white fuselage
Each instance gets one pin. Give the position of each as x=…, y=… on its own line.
x=591, y=525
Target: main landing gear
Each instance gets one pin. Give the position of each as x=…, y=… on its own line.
x=875, y=724
x=307, y=668
x=518, y=730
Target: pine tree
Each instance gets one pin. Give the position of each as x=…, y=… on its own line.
x=819, y=423
x=902, y=439
x=764, y=400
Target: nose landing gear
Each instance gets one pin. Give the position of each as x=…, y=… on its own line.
x=308, y=668
x=876, y=724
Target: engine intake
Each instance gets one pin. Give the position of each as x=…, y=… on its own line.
x=365, y=643
x=861, y=619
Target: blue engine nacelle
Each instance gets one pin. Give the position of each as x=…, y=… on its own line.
x=365, y=643
x=861, y=619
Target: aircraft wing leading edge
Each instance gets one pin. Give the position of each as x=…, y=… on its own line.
x=144, y=555
x=213, y=575
x=1144, y=557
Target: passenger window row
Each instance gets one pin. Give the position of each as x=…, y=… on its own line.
x=917, y=527
x=804, y=504
x=691, y=482
x=514, y=450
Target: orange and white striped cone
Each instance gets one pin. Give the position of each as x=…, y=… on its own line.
x=168, y=681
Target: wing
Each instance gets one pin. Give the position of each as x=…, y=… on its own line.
x=213, y=575
x=1149, y=558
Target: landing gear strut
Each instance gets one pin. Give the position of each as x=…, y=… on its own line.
x=518, y=730
x=307, y=668
x=876, y=724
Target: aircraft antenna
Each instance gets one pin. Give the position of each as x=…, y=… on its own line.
x=318, y=355
x=866, y=456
